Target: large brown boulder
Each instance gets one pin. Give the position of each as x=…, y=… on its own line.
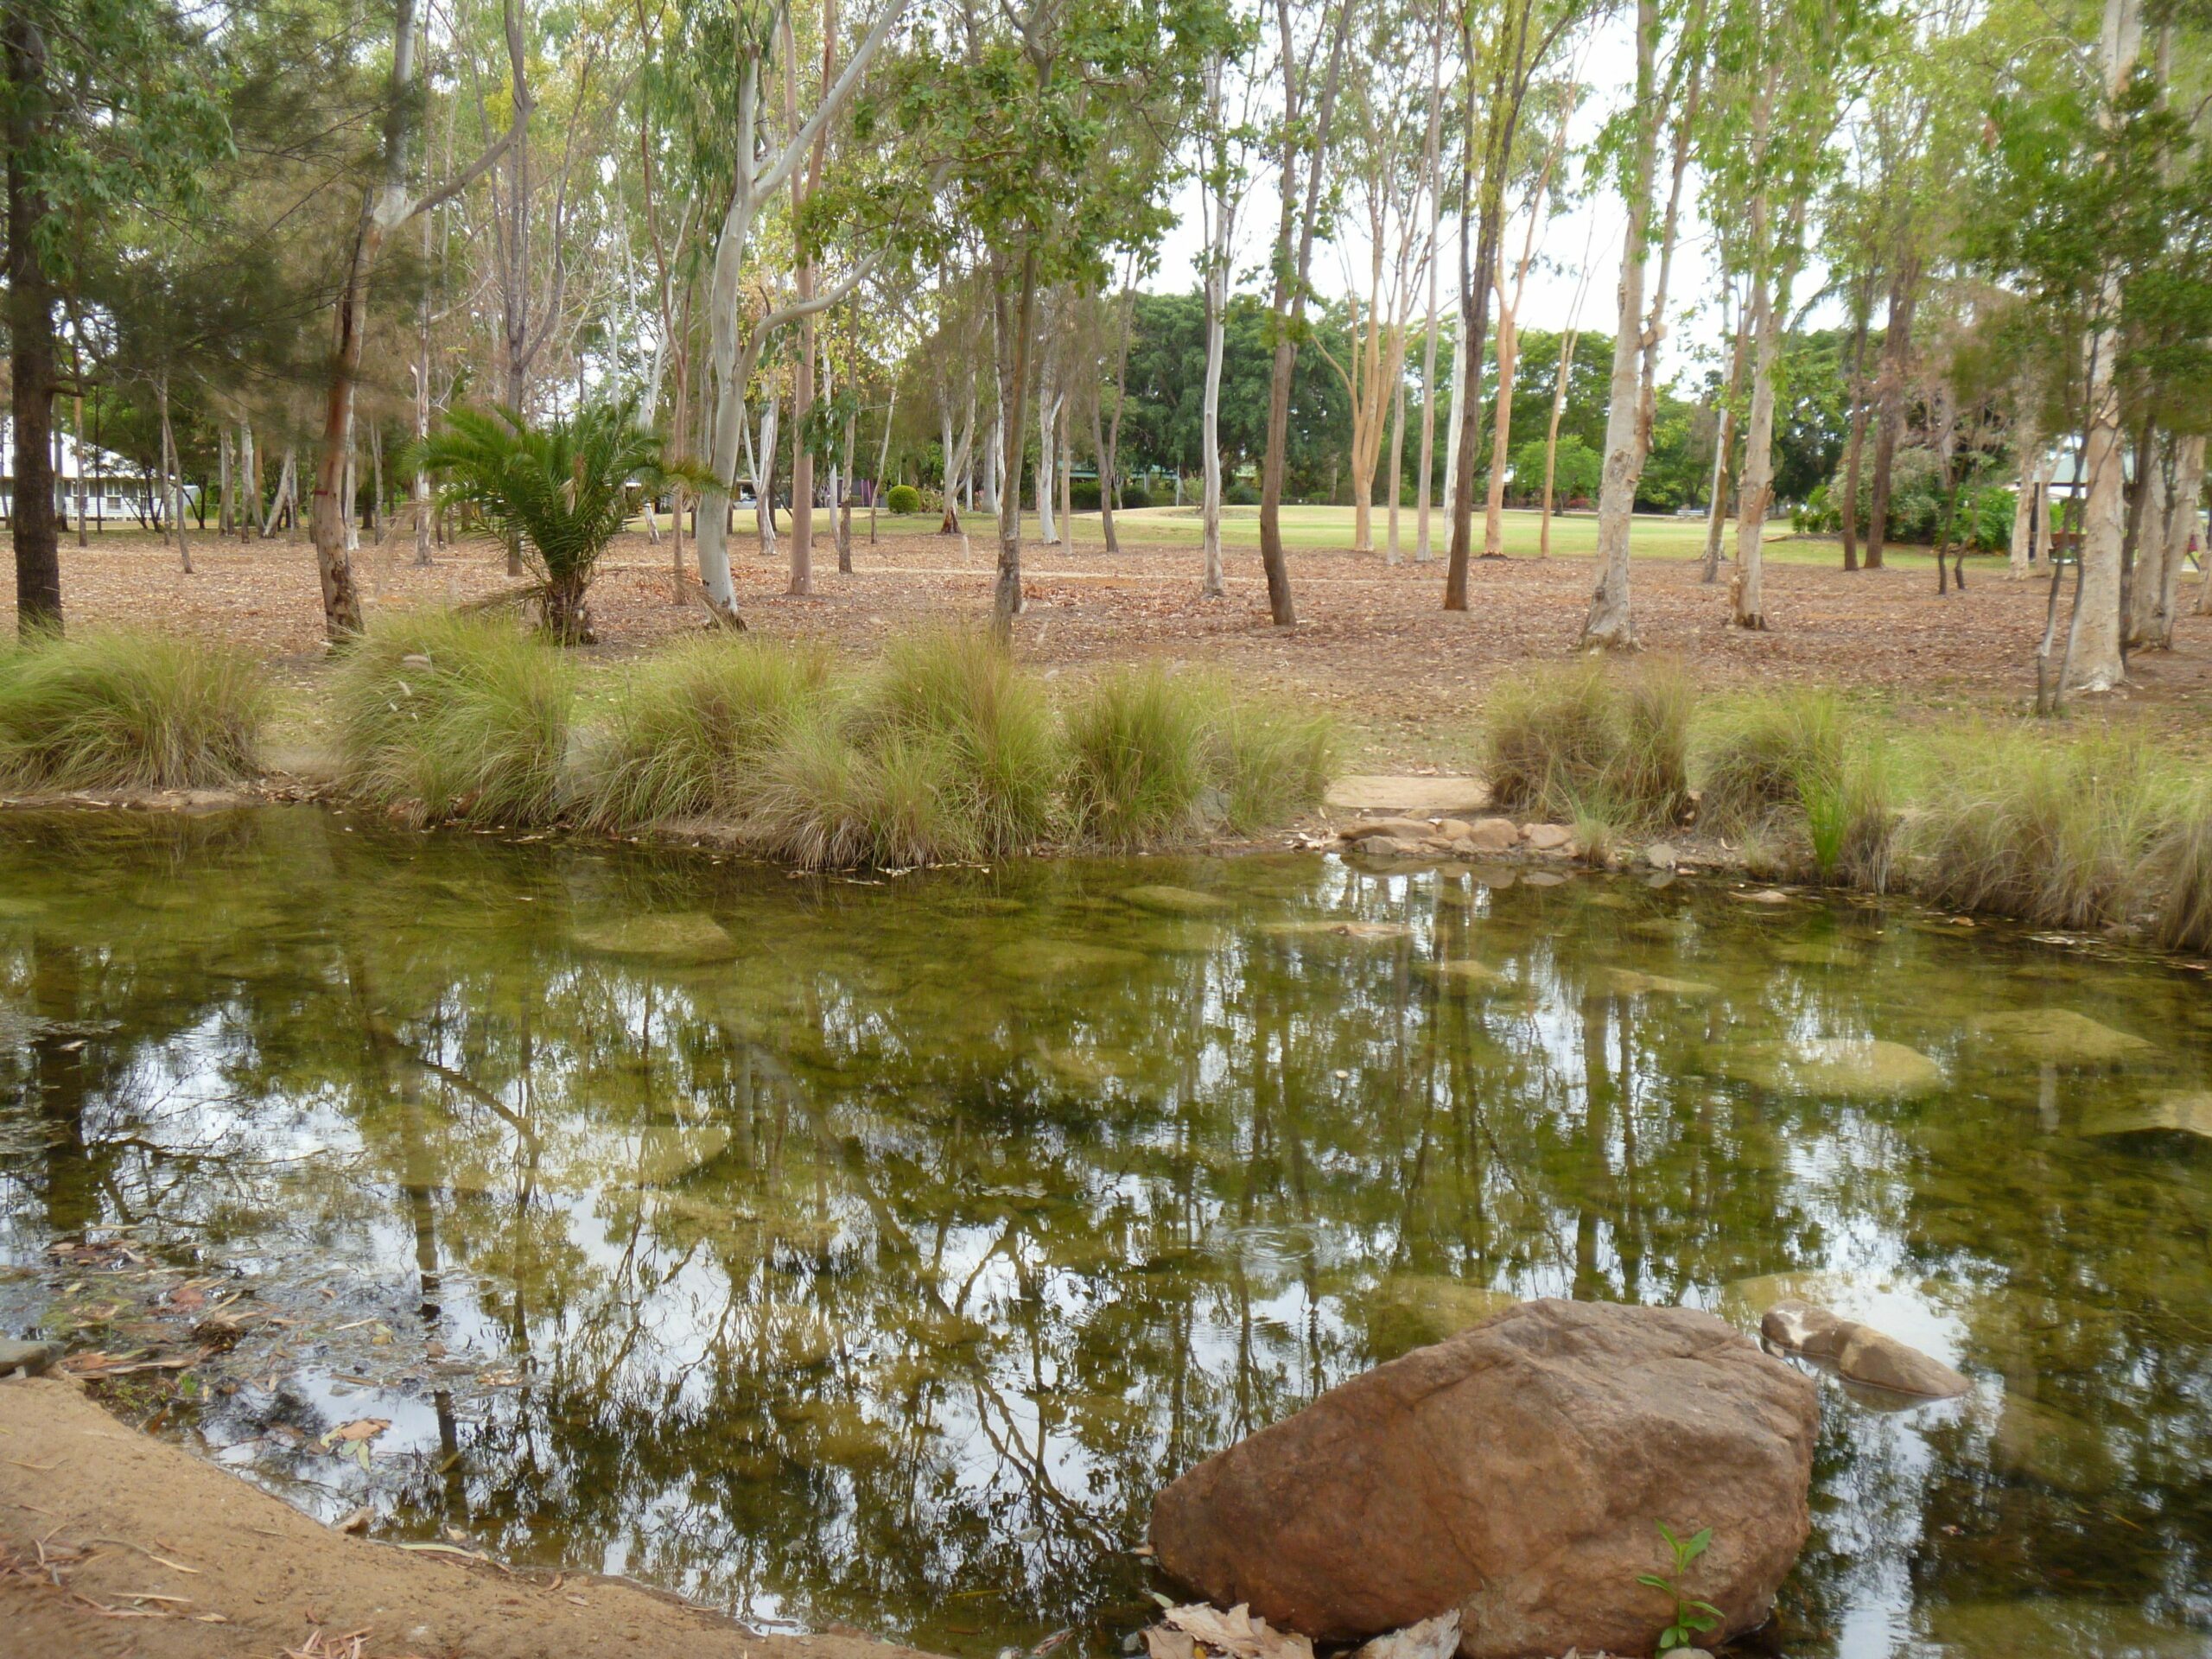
x=1514, y=1472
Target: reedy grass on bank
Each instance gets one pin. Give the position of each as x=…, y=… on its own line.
x=447, y=717
x=1585, y=740
x=115, y=709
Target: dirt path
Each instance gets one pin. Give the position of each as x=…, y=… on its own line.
x=113, y=1543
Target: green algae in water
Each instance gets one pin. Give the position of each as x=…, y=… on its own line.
x=874, y=1256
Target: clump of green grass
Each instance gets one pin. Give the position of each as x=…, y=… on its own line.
x=960, y=690
x=1587, y=737
x=2175, y=878
x=452, y=717
x=1789, y=765
x=1138, y=742
x=691, y=727
x=824, y=801
x=2052, y=833
x=129, y=710
x=1268, y=763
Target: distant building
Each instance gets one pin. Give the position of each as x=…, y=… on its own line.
x=114, y=488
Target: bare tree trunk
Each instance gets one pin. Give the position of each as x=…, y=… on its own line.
x=1397, y=441
x=84, y=460
x=1566, y=344
x=1610, y=624
x=1066, y=449
x=1220, y=232
x=1294, y=260
x=844, y=502
x=1013, y=396
x=882, y=462
x=1509, y=357
x=224, y=503
x=1856, y=442
x=172, y=481
x=1724, y=444
x=249, y=483
x=2177, y=529
x=2021, y=550
x=1109, y=455
x=1889, y=401
x=30, y=335
x=1758, y=487
x=1433, y=175
x=1455, y=424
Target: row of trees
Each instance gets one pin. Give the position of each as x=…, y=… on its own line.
x=797, y=235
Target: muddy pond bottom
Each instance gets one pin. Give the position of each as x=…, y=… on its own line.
x=869, y=1253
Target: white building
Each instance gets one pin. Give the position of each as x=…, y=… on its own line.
x=115, y=489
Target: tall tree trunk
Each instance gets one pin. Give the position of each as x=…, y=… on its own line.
x=843, y=504
x=1501, y=437
x=1566, y=345
x=2182, y=516
x=1757, y=490
x=1293, y=259
x=249, y=483
x=1889, y=400
x=2021, y=551
x=1456, y=422
x=1220, y=228
x=1109, y=455
x=1856, y=443
x=1610, y=624
x=30, y=339
x=1397, y=437
x=882, y=462
x=225, y=491
x=1433, y=176
x=1013, y=396
x=1724, y=444
x=83, y=460
x=172, y=472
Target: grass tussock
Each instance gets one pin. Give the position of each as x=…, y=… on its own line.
x=823, y=800
x=1788, y=771
x=1591, y=739
x=958, y=690
x=448, y=717
x=1138, y=743
x=1270, y=764
x=2051, y=832
x=128, y=710
x=687, y=734
x=2175, y=879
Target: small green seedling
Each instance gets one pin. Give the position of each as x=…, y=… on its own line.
x=1692, y=1617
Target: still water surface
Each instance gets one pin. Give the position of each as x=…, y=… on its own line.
x=870, y=1254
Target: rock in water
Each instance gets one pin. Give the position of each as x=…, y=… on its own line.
x=1513, y=1473
x=678, y=936
x=1173, y=901
x=1860, y=1352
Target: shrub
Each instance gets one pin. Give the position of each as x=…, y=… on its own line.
x=903, y=499
x=449, y=716
x=1135, y=496
x=1239, y=495
x=1137, y=743
x=1270, y=764
x=116, y=709
x=2050, y=832
x=1584, y=737
x=1083, y=494
x=960, y=689
x=692, y=725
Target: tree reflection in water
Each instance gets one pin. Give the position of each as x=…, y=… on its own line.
x=883, y=1272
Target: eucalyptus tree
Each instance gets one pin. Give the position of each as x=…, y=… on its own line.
x=1778, y=69
x=1226, y=135
x=1503, y=65
x=102, y=102
x=1661, y=99
x=1310, y=84
x=1035, y=115
x=733, y=45
x=391, y=200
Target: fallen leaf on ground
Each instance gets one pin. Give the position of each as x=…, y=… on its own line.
x=361, y=1428
x=1238, y=1633
x=1433, y=1638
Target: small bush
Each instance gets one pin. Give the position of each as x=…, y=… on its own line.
x=902, y=498
x=1271, y=765
x=2049, y=832
x=1138, y=743
x=692, y=725
x=1083, y=494
x=1583, y=737
x=1240, y=495
x=1135, y=496
x=959, y=688
x=113, y=710
x=449, y=716
x=1753, y=760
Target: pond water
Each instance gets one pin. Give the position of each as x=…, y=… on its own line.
x=868, y=1253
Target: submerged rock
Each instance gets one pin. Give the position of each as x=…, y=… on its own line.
x=1850, y=1067
x=2182, y=1113
x=1174, y=902
x=1627, y=982
x=1321, y=931
x=670, y=936
x=1860, y=1352
x=1062, y=959
x=29, y=1358
x=1465, y=971
x=2058, y=1037
x=1412, y=1309
x=1513, y=1473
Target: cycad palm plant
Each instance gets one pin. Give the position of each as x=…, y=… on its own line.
x=558, y=493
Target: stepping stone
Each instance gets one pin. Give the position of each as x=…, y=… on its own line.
x=1426, y=797
x=2175, y=1115
x=1357, y=932
x=1627, y=982
x=2058, y=1037
x=1062, y=959
x=1848, y=1067
x=1465, y=971
x=679, y=936
x=1174, y=902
